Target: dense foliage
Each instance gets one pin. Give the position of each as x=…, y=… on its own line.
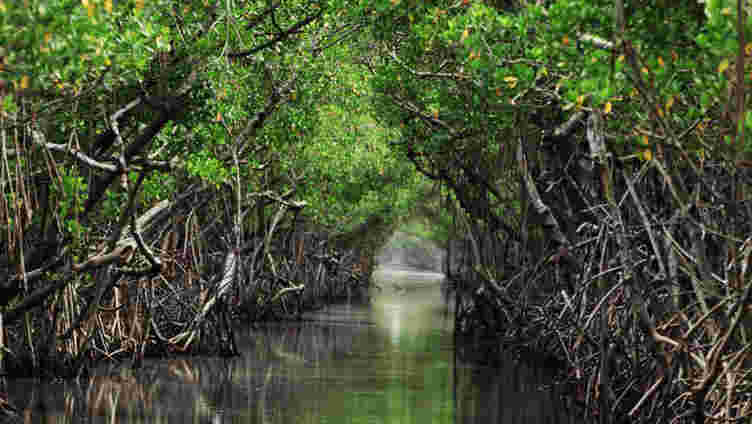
x=582, y=159
x=201, y=153
x=598, y=154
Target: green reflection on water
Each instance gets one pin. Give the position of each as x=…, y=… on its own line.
x=398, y=369
x=391, y=361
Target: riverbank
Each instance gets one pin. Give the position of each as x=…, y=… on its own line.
x=393, y=359
x=189, y=304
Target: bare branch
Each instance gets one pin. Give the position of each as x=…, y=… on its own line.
x=444, y=75
x=281, y=36
x=83, y=158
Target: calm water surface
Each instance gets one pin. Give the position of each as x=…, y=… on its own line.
x=390, y=361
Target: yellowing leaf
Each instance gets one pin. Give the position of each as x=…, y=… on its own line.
x=620, y=58
x=607, y=108
x=565, y=40
x=3, y=8
x=659, y=110
x=465, y=34
x=25, y=82
x=511, y=81
x=645, y=140
x=90, y=7
x=660, y=62
x=647, y=155
x=436, y=114
x=669, y=103
x=108, y=6
x=47, y=37
x=726, y=11
x=580, y=100
x=140, y=4
x=395, y=2
x=748, y=49
x=645, y=70
x=723, y=65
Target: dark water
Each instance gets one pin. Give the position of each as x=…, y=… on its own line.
x=390, y=361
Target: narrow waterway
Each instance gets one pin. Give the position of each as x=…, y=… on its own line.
x=390, y=360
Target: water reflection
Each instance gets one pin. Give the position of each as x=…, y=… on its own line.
x=388, y=362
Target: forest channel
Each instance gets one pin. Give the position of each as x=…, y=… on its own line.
x=390, y=359
x=171, y=171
